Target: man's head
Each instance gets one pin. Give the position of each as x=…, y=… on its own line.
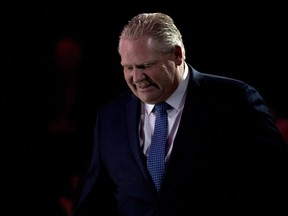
x=152, y=55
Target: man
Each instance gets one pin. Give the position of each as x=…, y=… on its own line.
x=224, y=154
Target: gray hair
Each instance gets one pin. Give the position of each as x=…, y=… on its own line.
x=159, y=26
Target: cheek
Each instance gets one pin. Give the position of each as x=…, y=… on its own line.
x=128, y=77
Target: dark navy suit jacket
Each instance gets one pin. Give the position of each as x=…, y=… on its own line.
x=228, y=157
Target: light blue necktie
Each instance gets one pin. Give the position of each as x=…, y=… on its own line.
x=156, y=157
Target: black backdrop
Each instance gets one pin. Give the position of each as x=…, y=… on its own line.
x=241, y=39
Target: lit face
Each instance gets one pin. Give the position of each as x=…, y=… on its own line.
x=151, y=76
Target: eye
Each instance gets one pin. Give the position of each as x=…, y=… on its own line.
x=146, y=66
x=142, y=66
x=128, y=68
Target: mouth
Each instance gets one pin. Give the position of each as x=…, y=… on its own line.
x=145, y=86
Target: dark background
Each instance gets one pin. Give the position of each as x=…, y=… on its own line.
x=242, y=40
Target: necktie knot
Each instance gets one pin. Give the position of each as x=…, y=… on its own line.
x=161, y=107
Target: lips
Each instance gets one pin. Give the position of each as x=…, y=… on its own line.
x=144, y=86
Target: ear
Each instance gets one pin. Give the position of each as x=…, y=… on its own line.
x=178, y=55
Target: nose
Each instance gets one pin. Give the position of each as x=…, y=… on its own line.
x=138, y=75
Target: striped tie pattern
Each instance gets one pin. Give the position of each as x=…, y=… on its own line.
x=156, y=157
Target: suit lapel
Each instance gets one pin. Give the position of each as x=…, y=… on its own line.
x=133, y=118
x=188, y=137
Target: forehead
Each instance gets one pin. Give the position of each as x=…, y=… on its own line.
x=138, y=50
